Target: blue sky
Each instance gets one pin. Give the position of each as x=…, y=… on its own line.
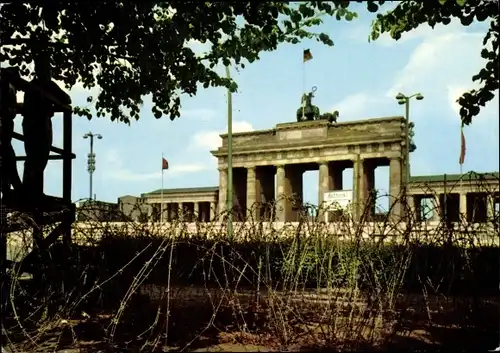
x=358, y=78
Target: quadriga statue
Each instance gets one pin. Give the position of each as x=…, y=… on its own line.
x=309, y=112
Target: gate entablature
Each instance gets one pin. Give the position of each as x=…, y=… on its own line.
x=311, y=141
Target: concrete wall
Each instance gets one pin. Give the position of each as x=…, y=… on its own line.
x=97, y=211
x=134, y=208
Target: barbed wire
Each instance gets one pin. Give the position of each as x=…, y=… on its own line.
x=278, y=284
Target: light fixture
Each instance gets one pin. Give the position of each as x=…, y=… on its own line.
x=400, y=96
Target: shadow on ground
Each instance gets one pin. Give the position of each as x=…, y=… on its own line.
x=204, y=325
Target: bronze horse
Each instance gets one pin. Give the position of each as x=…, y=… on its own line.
x=310, y=112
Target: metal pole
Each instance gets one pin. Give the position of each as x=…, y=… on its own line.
x=303, y=87
x=161, y=196
x=229, y=160
x=407, y=171
x=402, y=99
x=445, y=202
x=91, y=161
x=91, y=166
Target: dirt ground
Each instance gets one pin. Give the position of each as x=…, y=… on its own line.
x=435, y=323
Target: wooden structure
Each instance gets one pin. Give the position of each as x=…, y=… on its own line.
x=52, y=209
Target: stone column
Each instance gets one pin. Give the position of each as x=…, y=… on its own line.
x=412, y=207
x=166, y=213
x=266, y=191
x=463, y=206
x=213, y=211
x=222, y=190
x=161, y=209
x=357, y=186
x=280, y=194
x=367, y=194
x=323, y=187
x=490, y=208
x=324, y=179
x=252, y=207
x=259, y=194
x=180, y=212
x=172, y=212
x=395, y=187
x=436, y=212
x=417, y=205
x=150, y=212
x=196, y=212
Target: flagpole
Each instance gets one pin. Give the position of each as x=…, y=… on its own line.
x=161, y=193
x=303, y=82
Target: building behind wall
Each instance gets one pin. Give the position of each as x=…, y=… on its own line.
x=99, y=211
x=127, y=208
x=473, y=197
x=268, y=184
x=134, y=208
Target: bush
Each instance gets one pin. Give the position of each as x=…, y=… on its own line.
x=144, y=285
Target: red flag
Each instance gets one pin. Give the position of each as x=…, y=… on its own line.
x=164, y=164
x=462, y=147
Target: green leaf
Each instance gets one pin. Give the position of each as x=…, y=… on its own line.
x=140, y=54
x=295, y=17
x=372, y=7
x=467, y=20
x=482, y=15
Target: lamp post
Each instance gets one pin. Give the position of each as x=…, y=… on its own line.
x=402, y=99
x=229, y=159
x=91, y=159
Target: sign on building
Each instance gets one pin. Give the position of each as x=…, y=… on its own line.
x=338, y=199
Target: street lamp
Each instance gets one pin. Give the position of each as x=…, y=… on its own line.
x=91, y=159
x=402, y=99
x=229, y=159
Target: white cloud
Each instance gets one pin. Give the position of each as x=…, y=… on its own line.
x=487, y=114
x=207, y=140
x=361, y=30
x=440, y=61
x=355, y=106
x=211, y=140
x=441, y=68
x=455, y=92
x=242, y=126
x=423, y=31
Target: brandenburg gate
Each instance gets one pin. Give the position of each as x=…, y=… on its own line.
x=284, y=153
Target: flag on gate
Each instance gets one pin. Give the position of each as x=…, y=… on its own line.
x=307, y=55
x=164, y=164
x=462, y=146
